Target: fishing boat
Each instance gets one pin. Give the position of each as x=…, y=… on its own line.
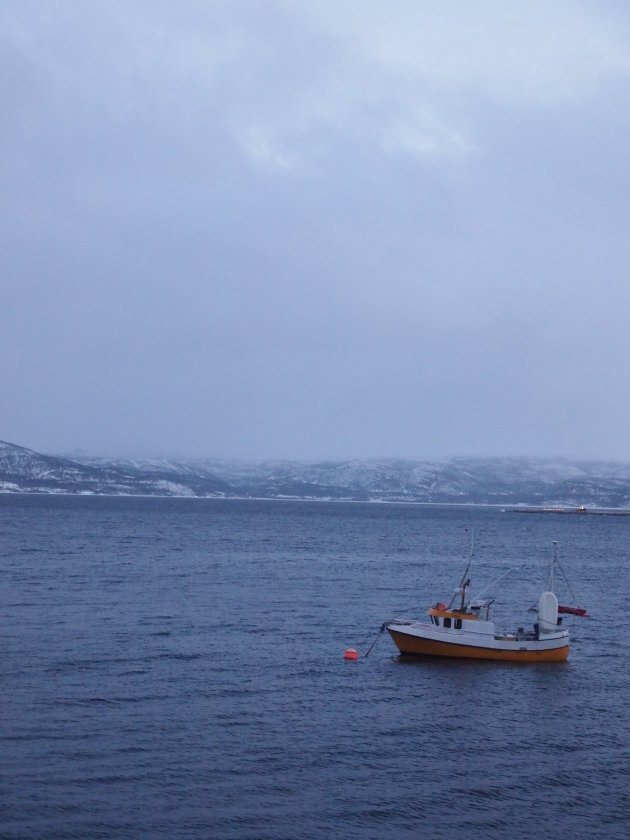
x=466, y=630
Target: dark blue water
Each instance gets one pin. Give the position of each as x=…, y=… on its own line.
x=175, y=668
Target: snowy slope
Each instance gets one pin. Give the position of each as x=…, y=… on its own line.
x=504, y=481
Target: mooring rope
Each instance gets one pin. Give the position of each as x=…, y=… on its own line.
x=378, y=635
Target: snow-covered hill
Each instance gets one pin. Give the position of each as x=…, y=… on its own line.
x=25, y=471
x=505, y=481
x=509, y=481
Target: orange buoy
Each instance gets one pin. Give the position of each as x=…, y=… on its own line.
x=351, y=653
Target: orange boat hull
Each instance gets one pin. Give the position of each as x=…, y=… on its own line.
x=417, y=646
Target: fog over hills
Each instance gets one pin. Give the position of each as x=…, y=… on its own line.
x=503, y=481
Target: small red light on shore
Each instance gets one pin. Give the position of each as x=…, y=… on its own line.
x=351, y=653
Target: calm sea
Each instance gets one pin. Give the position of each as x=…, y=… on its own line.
x=174, y=668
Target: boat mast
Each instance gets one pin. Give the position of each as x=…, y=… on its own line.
x=468, y=573
x=465, y=581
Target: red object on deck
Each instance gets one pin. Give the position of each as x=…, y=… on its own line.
x=571, y=610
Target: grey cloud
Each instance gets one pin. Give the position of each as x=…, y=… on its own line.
x=315, y=230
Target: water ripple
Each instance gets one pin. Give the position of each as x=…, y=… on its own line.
x=175, y=669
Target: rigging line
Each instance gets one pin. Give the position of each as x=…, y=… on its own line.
x=566, y=580
x=494, y=582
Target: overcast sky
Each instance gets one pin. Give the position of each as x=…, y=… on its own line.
x=315, y=229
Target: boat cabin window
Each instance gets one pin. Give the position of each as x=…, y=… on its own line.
x=447, y=622
x=458, y=624
x=435, y=620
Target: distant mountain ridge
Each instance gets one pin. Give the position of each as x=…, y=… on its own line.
x=25, y=471
x=504, y=481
